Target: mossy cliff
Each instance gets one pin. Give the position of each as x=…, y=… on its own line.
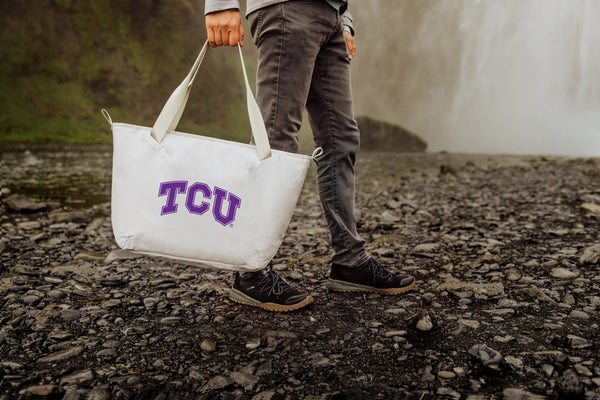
x=61, y=61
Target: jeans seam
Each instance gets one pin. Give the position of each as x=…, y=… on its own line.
x=333, y=167
x=273, y=119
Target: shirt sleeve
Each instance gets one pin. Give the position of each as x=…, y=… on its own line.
x=220, y=5
x=346, y=20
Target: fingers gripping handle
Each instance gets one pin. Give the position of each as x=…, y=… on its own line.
x=173, y=109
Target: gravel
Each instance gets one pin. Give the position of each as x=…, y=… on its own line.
x=505, y=251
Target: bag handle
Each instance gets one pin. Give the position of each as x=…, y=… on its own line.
x=173, y=109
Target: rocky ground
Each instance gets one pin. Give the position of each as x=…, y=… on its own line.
x=505, y=250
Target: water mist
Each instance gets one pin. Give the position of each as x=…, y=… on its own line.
x=510, y=76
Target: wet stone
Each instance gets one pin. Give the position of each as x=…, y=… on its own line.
x=24, y=204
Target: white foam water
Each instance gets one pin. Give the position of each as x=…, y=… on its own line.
x=494, y=76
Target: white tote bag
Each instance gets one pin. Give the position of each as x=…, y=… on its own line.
x=199, y=199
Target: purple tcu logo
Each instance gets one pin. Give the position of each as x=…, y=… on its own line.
x=172, y=188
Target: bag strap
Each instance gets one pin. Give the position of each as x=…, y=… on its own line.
x=173, y=109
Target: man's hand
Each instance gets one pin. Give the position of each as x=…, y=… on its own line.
x=350, y=44
x=224, y=28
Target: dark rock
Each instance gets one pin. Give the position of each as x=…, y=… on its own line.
x=520, y=394
x=245, y=380
x=384, y=136
x=218, y=382
x=3, y=246
x=42, y=390
x=70, y=216
x=24, y=204
x=486, y=355
x=569, y=384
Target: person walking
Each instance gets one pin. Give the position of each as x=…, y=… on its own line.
x=304, y=52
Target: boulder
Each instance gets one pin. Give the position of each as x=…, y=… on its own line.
x=384, y=136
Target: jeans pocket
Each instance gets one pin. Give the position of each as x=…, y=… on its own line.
x=255, y=21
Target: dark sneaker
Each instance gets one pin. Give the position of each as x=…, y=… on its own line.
x=267, y=290
x=368, y=277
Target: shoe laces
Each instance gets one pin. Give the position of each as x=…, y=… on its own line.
x=272, y=279
x=379, y=271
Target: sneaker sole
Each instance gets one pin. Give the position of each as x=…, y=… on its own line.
x=343, y=286
x=241, y=298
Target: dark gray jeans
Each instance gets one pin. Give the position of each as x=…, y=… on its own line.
x=303, y=61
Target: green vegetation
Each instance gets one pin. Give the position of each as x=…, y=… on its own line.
x=61, y=61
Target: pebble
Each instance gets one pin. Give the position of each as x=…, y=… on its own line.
x=514, y=362
x=78, y=377
x=245, y=380
x=322, y=331
x=218, y=382
x=569, y=384
x=62, y=355
x=56, y=294
x=520, y=394
x=24, y=204
x=563, y=273
x=120, y=255
x=264, y=395
x=394, y=332
x=98, y=394
x=209, y=345
x=577, y=342
x=29, y=225
x=424, y=324
x=426, y=247
x=70, y=315
x=504, y=339
x=583, y=370
x=486, y=355
x=446, y=374
x=42, y=391
x=591, y=207
x=470, y=323
x=547, y=369
x=579, y=315
x=31, y=300
x=253, y=343
x=169, y=320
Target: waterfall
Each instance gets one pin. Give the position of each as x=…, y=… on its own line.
x=494, y=76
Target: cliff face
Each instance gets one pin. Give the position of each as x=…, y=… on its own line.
x=63, y=60
x=384, y=136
